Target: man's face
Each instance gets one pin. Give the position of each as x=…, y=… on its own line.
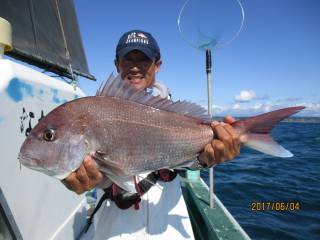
x=137, y=69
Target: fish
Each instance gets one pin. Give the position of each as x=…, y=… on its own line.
x=129, y=132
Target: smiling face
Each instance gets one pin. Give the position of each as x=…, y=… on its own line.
x=137, y=69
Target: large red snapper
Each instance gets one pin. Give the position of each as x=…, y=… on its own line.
x=130, y=132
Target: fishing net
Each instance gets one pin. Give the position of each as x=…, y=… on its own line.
x=210, y=24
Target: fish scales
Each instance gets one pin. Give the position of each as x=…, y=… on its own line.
x=149, y=138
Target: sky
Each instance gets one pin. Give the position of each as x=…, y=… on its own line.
x=273, y=63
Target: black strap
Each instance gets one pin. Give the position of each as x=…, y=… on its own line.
x=105, y=196
x=124, y=199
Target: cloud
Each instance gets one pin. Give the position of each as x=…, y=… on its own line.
x=312, y=106
x=290, y=99
x=245, y=96
x=246, y=109
x=263, y=97
x=242, y=109
x=311, y=110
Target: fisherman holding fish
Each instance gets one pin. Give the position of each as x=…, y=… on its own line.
x=127, y=140
x=162, y=211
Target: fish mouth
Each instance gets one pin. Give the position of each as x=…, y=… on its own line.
x=28, y=161
x=32, y=164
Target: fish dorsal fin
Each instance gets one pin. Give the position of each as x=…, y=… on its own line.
x=116, y=87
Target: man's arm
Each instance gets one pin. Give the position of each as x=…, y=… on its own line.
x=225, y=147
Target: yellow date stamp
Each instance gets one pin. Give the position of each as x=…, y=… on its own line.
x=275, y=206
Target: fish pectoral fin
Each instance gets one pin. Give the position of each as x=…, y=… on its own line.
x=112, y=171
x=106, y=166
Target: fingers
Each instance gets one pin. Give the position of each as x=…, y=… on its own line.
x=234, y=134
x=234, y=141
x=213, y=153
x=72, y=183
x=225, y=146
x=94, y=175
x=86, y=177
x=207, y=157
x=229, y=119
x=219, y=151
x=229, y=138
x=82, y=177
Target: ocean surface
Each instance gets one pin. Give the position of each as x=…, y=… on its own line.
x=275, y=198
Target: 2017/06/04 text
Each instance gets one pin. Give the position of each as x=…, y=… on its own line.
x=275, y=206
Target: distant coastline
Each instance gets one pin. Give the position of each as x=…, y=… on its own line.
x=291, y=119
x=303, y=119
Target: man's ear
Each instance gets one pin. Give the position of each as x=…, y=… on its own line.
x=158, y=65
x=116, y=63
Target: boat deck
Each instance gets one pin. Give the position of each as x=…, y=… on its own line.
x=209, y=223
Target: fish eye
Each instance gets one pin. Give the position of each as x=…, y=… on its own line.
x=49, y=135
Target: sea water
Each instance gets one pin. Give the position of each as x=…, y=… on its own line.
x=275, y=198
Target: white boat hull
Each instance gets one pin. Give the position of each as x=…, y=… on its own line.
x=40, y=205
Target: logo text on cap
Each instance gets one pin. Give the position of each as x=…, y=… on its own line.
x=137, y=38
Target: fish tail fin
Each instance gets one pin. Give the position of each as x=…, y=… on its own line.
x=255, y=131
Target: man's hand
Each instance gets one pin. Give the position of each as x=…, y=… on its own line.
x=225, y=146
x=86, y=177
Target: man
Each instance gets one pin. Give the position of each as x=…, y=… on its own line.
x=162, y=212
